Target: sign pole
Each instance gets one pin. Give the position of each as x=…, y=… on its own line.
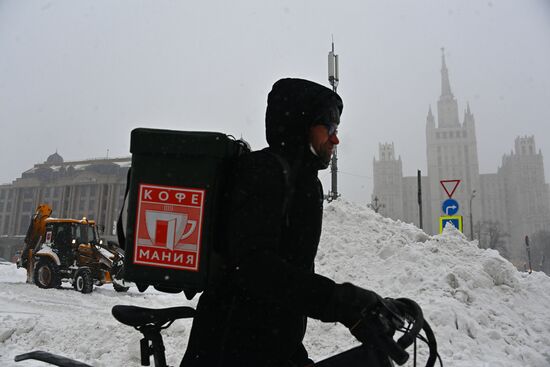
x=471, y=216
x=528, y=253
x=420, y=198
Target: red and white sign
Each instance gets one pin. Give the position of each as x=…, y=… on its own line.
x=449, y=186
x=169, y=222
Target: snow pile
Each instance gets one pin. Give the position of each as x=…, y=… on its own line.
x=483, y=311
x=78, y=326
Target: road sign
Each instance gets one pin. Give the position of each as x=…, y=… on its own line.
x=450, y=207
x=455, y=220
x=449, y=186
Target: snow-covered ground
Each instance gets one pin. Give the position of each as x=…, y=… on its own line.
x=483, y=311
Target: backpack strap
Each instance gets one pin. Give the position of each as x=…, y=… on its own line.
x=289, y=177
x=119, y=227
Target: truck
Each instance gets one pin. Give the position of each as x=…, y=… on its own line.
x=58, y=250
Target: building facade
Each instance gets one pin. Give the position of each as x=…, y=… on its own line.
x=515, y=199
x=526, y=209
x=91, y=188
x=390, y=183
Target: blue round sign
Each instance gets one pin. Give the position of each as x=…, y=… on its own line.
x=450, y=207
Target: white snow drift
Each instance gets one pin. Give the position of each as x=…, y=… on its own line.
x=483, y=311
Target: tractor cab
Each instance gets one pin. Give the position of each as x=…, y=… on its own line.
x=71, y=239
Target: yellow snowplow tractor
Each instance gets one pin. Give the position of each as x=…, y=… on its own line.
x=73, y=252
x=61, y=250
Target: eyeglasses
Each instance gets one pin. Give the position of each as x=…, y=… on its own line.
x=332, y=128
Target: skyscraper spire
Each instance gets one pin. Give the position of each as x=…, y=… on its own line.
x=445, y=84
x=430, y=120
x=468, y=116
x=447, y=107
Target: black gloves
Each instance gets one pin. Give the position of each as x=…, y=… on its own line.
x=374, y=320
x=351, y=304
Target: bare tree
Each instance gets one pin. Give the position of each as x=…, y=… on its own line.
x=491, y=235
x=540, y=251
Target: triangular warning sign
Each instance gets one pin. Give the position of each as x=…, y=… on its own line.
x=449, y=186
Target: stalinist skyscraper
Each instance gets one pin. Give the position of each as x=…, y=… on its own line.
x=515, y=199
x=451, y=150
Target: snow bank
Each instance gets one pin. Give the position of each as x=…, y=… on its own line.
x=483, y=311
x=79, y=326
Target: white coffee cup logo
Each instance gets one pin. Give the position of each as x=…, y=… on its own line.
x=168, y=227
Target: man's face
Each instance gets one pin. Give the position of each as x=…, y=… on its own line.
x=323, y=139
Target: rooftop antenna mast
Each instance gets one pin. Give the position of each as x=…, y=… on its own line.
x=333, y=78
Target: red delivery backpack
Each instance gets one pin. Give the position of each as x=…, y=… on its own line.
x=177, y=188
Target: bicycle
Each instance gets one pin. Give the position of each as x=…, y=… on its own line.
x=378, y=349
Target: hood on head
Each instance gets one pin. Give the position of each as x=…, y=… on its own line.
x=293, y=106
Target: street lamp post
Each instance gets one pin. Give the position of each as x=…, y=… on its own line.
x=333, y=79
x=471, y=216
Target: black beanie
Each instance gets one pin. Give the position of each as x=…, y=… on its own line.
x=293, y=106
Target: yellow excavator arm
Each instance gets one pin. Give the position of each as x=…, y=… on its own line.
x=36, y=231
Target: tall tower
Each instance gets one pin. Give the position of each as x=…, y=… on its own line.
x=452, y=155
x=388, y=181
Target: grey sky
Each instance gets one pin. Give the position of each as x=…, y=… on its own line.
x=78, y=76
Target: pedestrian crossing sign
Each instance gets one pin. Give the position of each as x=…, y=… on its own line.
x=455, y=220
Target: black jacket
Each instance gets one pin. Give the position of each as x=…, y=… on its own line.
x=255, y=313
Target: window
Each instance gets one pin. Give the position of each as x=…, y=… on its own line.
x=24, y=223
x=27, y=206
x=27, y=193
